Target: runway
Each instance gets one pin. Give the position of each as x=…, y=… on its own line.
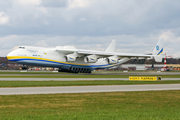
x=69, y=79
x=29, y=73
x=86, y=89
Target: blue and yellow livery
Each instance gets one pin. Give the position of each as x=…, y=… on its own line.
x=70, y=59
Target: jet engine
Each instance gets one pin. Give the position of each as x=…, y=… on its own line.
x=70, y=58
x=112, y=60
x=90, y=59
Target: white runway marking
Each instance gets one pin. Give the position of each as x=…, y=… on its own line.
x=86, y=89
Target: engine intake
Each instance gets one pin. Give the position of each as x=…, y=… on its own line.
x=112, y=60
x=90, y=59
x=70, y=58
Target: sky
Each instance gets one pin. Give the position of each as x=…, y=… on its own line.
x=136, y=25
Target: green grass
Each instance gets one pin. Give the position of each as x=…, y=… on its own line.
x=51, y=72
x=79, y=83
x=149, y=105
x=82, y=76
x=29, y=72
x=68, y=76
x=93, y=72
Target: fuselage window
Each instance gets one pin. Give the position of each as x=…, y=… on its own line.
x=22, y=47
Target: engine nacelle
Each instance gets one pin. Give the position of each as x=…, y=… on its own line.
x=112, y=60
x=90, y=59
x=70, y=58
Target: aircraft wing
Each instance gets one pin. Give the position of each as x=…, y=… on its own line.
x=108, y=54
x=66, y=49
x=101, y=53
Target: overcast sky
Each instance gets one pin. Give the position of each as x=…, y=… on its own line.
x=91, y=24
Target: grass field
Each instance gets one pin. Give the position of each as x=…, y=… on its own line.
x=82, y=76
x=51, y=72
x=74, y=83
x=96, y=74
x=149, y=105
x=79, y=83
x=93, y=72
x=28, y=72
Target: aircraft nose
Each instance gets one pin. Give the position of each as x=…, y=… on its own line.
x=8, y=55
x=11, y=54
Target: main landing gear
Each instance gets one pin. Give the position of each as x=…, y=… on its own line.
x=76, y=70
x=24, y=67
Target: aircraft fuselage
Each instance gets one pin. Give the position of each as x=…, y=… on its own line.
x=50, y=57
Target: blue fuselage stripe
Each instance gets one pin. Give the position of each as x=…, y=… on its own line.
x=46, y=61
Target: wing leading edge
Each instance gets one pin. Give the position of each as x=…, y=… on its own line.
x=111, y=48
x=109, y=52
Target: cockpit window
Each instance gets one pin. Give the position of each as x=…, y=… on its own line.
x=22, y=47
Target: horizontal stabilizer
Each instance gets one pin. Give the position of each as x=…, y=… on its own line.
x=158, y=58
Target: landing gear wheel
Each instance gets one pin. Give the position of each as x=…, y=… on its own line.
x=24, y=67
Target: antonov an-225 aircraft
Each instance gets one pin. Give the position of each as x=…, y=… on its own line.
x=70, y=59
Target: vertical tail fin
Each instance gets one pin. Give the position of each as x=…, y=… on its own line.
x=111, y=47
x=158, y=51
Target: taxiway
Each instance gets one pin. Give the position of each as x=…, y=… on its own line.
x=70, y=79
x=86, y=89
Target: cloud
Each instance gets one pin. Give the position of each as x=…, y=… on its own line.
x=90, y=24
x=54, y=3
x=4, y=19
x=78, y=4
x=41, y=43
x=29, y=2
x=125, y=43
x=83, y=19
x=103, y=17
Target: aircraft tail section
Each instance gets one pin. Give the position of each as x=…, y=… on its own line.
x=158, y=51
x=111, y=47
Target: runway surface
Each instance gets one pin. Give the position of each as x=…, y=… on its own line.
x=86, y=89
x=103, y=73
x=69, y=79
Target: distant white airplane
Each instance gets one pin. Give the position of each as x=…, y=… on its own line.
x=70, y=59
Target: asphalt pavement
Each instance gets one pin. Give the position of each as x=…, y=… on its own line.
x=86, y=89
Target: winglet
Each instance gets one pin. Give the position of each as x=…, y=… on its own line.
x=111, y=47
